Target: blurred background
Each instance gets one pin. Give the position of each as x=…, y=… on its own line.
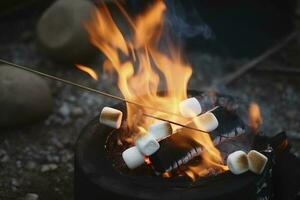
x=41, y=119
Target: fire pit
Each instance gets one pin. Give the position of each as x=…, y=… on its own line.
x=100, y=174
x=203, y=137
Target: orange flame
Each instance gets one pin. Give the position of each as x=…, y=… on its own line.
x=143, y=70
x=255, y=118
x=88, y=70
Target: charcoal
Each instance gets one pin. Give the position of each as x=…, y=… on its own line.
x=176, y=150
x=230, y=124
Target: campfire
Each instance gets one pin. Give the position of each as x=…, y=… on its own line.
x=158, y=138
x=168, y=131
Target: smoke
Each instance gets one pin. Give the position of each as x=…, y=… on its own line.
x=185, y=21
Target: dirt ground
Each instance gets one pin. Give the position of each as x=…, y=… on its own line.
x=39, y=158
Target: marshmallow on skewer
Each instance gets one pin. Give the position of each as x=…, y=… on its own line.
x=206, y=122
x=111, y=117
x=133, y=158
x=190, y=107
x=237, y=162
x=160, y=130
x=257, y=161
x=147, y=144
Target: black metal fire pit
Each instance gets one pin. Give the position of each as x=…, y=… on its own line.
x=96, y=177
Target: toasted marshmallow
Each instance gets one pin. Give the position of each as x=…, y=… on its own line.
x=206, y=122
x=111, y=117
x=133, y=158
x=237, y=162
x=147, y=144
x=160, y=130
x=257, y=161
x=190, y=107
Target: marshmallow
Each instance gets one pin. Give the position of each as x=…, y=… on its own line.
x=206, y=122
x=133, y=158
x=111, y=117
x=190, y=107
x=257, y=161
x=160, y=130
x=238, y=162
x=147, y=144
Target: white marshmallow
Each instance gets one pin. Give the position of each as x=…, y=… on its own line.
x=160, y=130
x=206, y=122
x=111, y=117
x=257, y=161
x=147, y=144
x=190, y=107
x=237, y=162
x=133, y=158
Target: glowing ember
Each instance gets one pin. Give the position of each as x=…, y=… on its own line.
x=88, y=70
x=143, y=69
x=255, y=116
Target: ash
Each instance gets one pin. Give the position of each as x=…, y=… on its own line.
x=38, y=159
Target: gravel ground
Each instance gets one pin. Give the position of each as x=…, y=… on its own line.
x=39, y=159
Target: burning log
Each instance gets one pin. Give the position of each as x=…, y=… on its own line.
x=171, y=153
x=257, y=161
x=174, y=151
x=238, y=162
x=111, y=117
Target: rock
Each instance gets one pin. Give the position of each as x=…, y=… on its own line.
x=3, y=156
x=57, y=143
x=31, y=196
x=30, y=165
x=293, y=135
x=52, y=158
x=61, y=33
x=25, y=97
x=49, y=167
x=19, y=164
x=65, y=110
x=5, y=159
x=15, y=182
x=77, y=112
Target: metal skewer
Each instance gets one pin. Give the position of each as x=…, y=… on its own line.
x=101, y=93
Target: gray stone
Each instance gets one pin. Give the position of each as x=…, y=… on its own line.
x=15, y=182
x=31, y=196
x=3, y=156
x=293, y=135
x=61, y=33
x=19, y=164
x=5, y=159
x=77, y=112
x=48, y=167
x=25, y=97
x=65, y=110
x=30, y=165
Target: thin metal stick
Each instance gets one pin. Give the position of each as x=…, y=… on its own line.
x=101, y=93
x=83, y=87
x=242, y=70
x=172, y=122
